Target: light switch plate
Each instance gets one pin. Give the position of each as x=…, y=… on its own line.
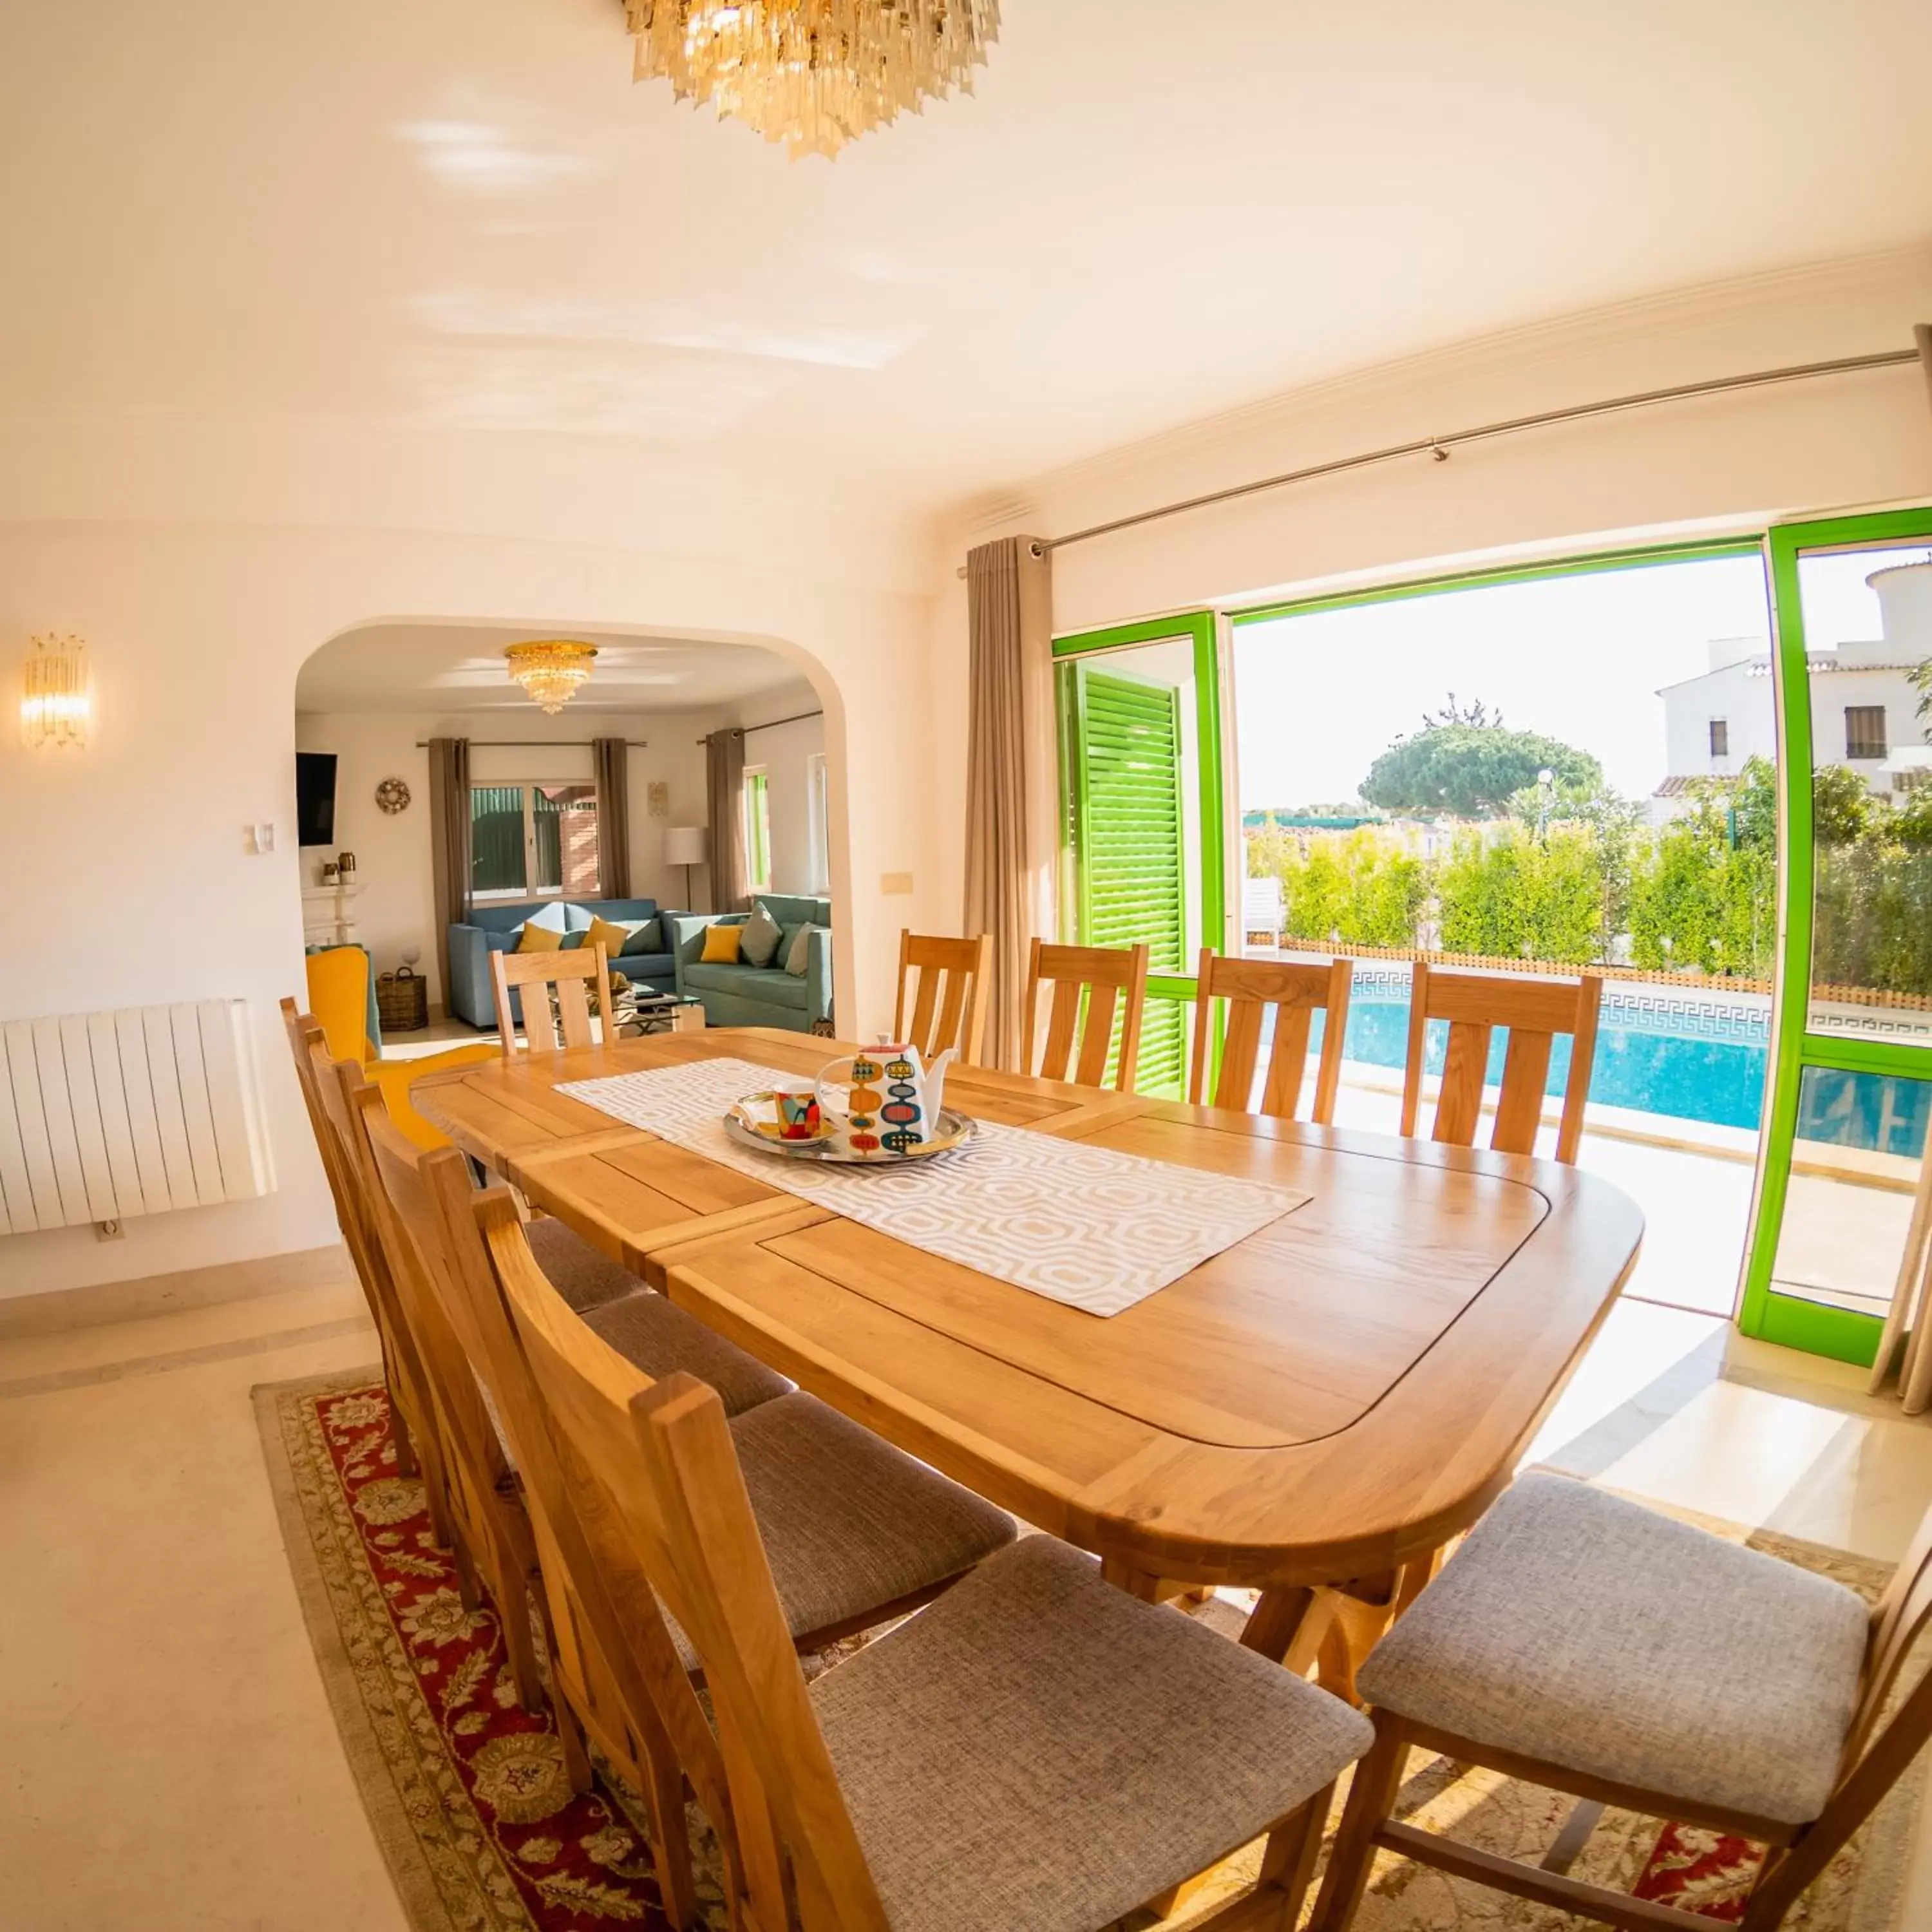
x=896, y=885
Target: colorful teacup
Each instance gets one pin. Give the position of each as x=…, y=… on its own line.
x=799, y=1118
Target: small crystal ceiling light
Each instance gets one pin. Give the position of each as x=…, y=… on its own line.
x=812, y=74
x=56, y=694
x=551, y=670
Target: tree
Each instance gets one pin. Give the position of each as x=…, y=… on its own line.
x=1512, y=895
x=1468, y=763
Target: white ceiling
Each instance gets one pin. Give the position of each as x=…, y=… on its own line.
x=465, y=217
x=443, y=669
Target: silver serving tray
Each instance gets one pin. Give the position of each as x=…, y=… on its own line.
x=955, y=1131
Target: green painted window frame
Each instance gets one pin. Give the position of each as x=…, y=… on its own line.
x=1202, y=629
x=758, y=829
x=1763, y=1311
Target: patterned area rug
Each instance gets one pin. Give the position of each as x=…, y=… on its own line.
x=470, y=1800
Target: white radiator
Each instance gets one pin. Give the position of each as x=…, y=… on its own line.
x=103, y=1116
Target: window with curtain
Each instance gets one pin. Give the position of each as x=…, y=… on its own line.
x=526, y=839
x=818, y=808
x=1865, y=731
x=758, y=830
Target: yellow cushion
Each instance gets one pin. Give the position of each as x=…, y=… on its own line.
x=604, y=933
x=539, y=939
x=721, y=945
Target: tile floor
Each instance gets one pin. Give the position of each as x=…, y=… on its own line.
x=168, y=1761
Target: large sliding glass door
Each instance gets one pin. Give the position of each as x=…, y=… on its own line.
x=1763, y=909
x=1852, y=1058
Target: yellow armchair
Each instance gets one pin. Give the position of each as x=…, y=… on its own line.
x=338, y=997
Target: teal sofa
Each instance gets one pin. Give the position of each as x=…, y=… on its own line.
x=472, y=993
x=766, y=996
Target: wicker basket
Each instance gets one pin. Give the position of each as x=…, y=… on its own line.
x=402, y=1000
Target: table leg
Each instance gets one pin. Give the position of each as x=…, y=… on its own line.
x=1286, y=1621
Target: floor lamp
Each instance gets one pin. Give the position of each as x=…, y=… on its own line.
x=684, y=845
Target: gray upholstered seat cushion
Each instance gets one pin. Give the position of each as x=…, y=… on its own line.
x=1039, y=1752
x=582, y=1275
x=1580, y=1629
x=849, y=1523
x=649, y=1331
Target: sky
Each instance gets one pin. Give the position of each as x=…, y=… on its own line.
x=1579, y=658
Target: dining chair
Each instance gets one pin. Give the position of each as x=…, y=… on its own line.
x=489, y=1534
x=1583, y=1643
x=402, y=1373
x=949, y=1001
x=1090, y=984
x=856, y=1533
x=1294, y=993
x=555, y=992
x=1534, y=1011
x=1026, y=1752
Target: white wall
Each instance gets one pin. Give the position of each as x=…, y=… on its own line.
x=396, y=907
x=125, y=877
x=1715, y=465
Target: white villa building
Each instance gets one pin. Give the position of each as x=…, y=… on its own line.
x=1864, y=706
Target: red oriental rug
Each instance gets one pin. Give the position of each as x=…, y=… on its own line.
x=470, y=1800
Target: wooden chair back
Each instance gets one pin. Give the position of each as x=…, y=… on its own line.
x=417, y=1427
x=1534, y=1011
x=1295, y=993
x=554, y=991
x=1879, y=1749
x=401, y=1371
x=307, y=1041
x=949, y=1002
x=492, y=1536
x=654, y=1475
x=1090, y=984
x=612, y=1657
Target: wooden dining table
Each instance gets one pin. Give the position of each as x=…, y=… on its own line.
x=1313, y=1413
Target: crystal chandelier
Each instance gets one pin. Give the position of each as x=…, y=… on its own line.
x=812, y=74
x=56, y=698
x=551, y=671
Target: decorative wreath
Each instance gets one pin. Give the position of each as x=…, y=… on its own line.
x=393, y=795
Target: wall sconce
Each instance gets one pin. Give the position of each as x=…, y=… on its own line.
x=56, y=694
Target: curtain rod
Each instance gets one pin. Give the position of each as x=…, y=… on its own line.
x=1438, y=447
x=537, y=744
x=745, y=730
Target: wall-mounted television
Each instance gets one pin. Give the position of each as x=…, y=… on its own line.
x=315, y=798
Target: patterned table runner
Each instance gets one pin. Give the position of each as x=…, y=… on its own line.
x=1085, y=1225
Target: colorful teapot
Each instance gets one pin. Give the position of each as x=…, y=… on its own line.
x=895, y=1100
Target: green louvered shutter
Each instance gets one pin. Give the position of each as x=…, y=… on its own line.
x=1132, y=845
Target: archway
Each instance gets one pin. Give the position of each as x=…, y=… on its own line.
x=368, y=703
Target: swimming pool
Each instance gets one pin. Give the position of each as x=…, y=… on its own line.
x=1673, y=1057
x=1692, y=1067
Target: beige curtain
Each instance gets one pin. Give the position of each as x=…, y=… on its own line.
x=1009, y=774
x=1922, y=334
x=725, y=788
x=611, y=758
x=449, y=843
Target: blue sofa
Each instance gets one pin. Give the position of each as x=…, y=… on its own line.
x=766, y=996
x=496, y=928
